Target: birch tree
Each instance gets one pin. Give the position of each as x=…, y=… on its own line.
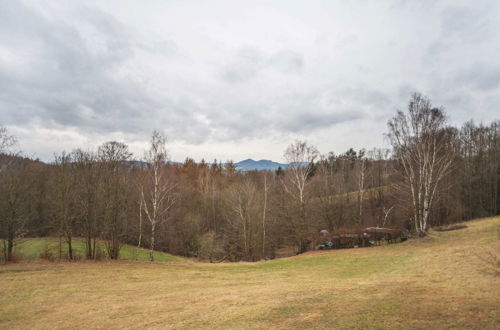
x=157, y=194
x=361, y=162
x=300, y=157
x=425, y=148
x=245, y=209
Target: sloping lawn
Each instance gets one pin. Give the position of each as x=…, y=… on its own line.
x=30, y=249
x=441, y=281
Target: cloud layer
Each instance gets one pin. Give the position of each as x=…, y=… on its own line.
x=234, y=80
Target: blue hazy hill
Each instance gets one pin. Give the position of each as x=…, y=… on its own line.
x=263, y=164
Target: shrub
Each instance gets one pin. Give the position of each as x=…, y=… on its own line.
x=3, y=255
x=14, y=257
x=47, y=254
x=76, y=256
x=209, y=249
x=99, y=254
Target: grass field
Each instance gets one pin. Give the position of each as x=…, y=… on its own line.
x=29, y=249
x=436, y=282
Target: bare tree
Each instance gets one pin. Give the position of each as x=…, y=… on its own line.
x=15, y=192
x=386, y=214
x=65, y=212
x=140, y=223
x=244, y=215
x=159, y=197
x=329, y=188
x=115, y=186
x=300, y=157
x=264, y=214
x=7, y=141
x=88, y=175
x=379, y=175
x=361, y=184
x=425, y=148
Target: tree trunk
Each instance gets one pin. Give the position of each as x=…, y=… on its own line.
x=151, y=251
x=93, y=248
x=89, y=247
x=361, y=185
x=10, y=247
x=60, y=246
x=5, y=254
x=70, y=248
x=264, y=218
x=140, y=231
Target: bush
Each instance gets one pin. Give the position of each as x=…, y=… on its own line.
x=14, y=257
x=99, y=254
x=47, y=254
x=209, y=249
x=76, y=256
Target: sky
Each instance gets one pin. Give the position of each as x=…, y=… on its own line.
x=239, y=79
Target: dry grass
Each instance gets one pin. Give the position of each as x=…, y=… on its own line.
x=435, y=282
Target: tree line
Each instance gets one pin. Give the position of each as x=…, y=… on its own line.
x=434, y=174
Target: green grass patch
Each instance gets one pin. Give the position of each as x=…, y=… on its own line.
x=29, y=249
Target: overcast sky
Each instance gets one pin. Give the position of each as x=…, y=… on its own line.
x=239, y=79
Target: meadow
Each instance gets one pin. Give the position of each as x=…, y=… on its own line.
x=441, y=281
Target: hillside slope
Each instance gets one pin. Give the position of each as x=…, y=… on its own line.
x=440, y=281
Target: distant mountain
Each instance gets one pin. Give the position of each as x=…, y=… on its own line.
x=260, y=165
x=244, y=165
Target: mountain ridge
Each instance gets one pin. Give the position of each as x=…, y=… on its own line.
x=258, y=165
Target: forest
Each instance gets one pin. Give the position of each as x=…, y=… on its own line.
x=433, y=174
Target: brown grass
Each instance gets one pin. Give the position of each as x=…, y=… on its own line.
x=435, y=282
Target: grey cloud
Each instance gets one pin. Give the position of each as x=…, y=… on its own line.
x=74, y=85
x=481, y=76
x=100, y=71
x=296, y=113
x=460, y=25
x=366, y=96
x=305, y=122
x=245, y=65
x=471, y=23
x=318, y=111
x=287, y=61
x=249, y=62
